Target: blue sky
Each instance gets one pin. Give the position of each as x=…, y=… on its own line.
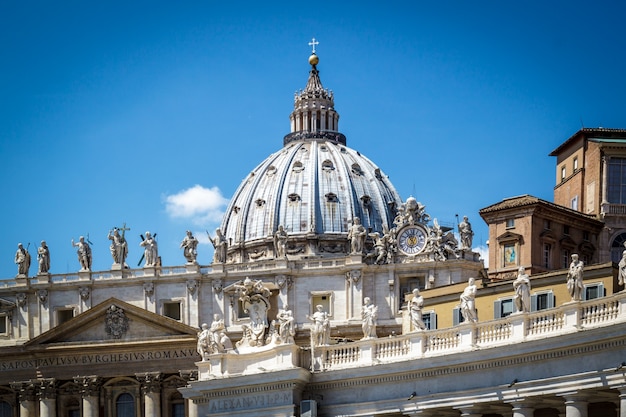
x=151, y=113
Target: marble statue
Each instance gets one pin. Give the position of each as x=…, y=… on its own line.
x=575, y=278
x=521, y=285
x=151, y=250
x=468, y=302
x=189, y=246
x=381, y=248
x=43, y=258
x=286, y=326
x=415, y=310
x=369, y=317
x=622, y=269
x=356, y=236
x=466, y=233
x=213, y=339
x=84, y=253
x=22, y=259
x=280, y=242
x=119, y=247
x=221, y=247
x=320, y=331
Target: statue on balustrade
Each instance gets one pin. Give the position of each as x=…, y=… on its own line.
x=189, y=246
x=286, y=326
x=43, y=256
x=415, y=311
x=220, y=245
x=622, y=269
x=521, y=285
x=468, y=302
x=119, y=247
x=320, y=330
x=575, y=278
x=466, y=233
x=369, y=317
x=151, y=250
x=84, y=253
x=22, y=259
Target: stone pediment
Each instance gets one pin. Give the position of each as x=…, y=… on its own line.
x=6, y=306
x=509, y=237
x=114, y=321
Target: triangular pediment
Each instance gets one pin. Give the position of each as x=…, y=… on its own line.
x=115, y=321
x=6, y=306
x=509, y=237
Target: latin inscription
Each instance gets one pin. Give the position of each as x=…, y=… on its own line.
x=254, y=401
x=97, y=359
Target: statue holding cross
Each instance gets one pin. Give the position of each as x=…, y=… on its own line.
x=119, y=247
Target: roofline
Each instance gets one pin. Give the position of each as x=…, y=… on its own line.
x=588, y=131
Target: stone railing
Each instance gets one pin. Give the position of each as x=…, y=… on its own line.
x=568, y=318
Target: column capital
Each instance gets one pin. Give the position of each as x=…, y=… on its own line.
x=26, y=390
x=189, y=375
x=89, y=385
x=150, y=381
x=46, y=388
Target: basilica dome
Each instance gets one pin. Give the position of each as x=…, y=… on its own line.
x=313, y=187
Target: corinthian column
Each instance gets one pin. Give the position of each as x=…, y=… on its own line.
x=47, y=397
x=151, y=388
x=26, y=396
x=89, y=390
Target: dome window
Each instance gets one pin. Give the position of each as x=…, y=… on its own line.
x=366, y=200
x=356, y=169
x=297, y=167
x=377, y=174
x=260, y=202
x=236, y=209
x=293, y=198
x=323, y=148
x=328, y=166
x=343, y=150
x=331, y=198
x=271, y=171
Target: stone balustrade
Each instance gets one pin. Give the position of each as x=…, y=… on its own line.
x=569, y=318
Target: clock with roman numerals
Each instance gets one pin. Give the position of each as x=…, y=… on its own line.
x=412, y=239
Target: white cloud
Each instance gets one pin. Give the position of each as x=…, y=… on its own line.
x=484, y=254
x=198, y=204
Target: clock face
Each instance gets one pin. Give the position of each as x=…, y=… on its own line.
x=412, y=240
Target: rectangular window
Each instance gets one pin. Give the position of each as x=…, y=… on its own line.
x=503, y=307
x=565, y=258
x=616, y=187
x=4, y=325
x=542, y=301
x=547, y=224
x=593, y=291
x=574, y=203
x=510, y=223
x=178, y=410
x=547, y=255
x=566, y=230
x=430, y=320
x=408, y=284
x=563, y=172
x=172, y=310
x=325, y=299
x=575, y=164
x=586, y=236
x=64, y=315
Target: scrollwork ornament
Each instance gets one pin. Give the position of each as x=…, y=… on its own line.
x=284, y=281
x=354, y=276
x=192, y=286
x=217, y=285
x=21, y=299
x=43, y=296
x=85, y=293
x=148, y=288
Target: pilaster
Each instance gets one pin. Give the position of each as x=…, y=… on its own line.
x=151, y=389
x=89, y=390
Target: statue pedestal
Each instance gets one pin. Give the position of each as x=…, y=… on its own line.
x=355, y=258
x=84, y=275
x=149, y=271
x=21, y=279
x=116, y=267
x=192, y=268
x=43, y=277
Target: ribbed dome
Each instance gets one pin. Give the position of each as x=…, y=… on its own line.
x=313, y=187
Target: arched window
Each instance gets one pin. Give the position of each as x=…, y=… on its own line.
x=125, y=406
x=5, y=409
x=617, y=247
x=178, y=405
